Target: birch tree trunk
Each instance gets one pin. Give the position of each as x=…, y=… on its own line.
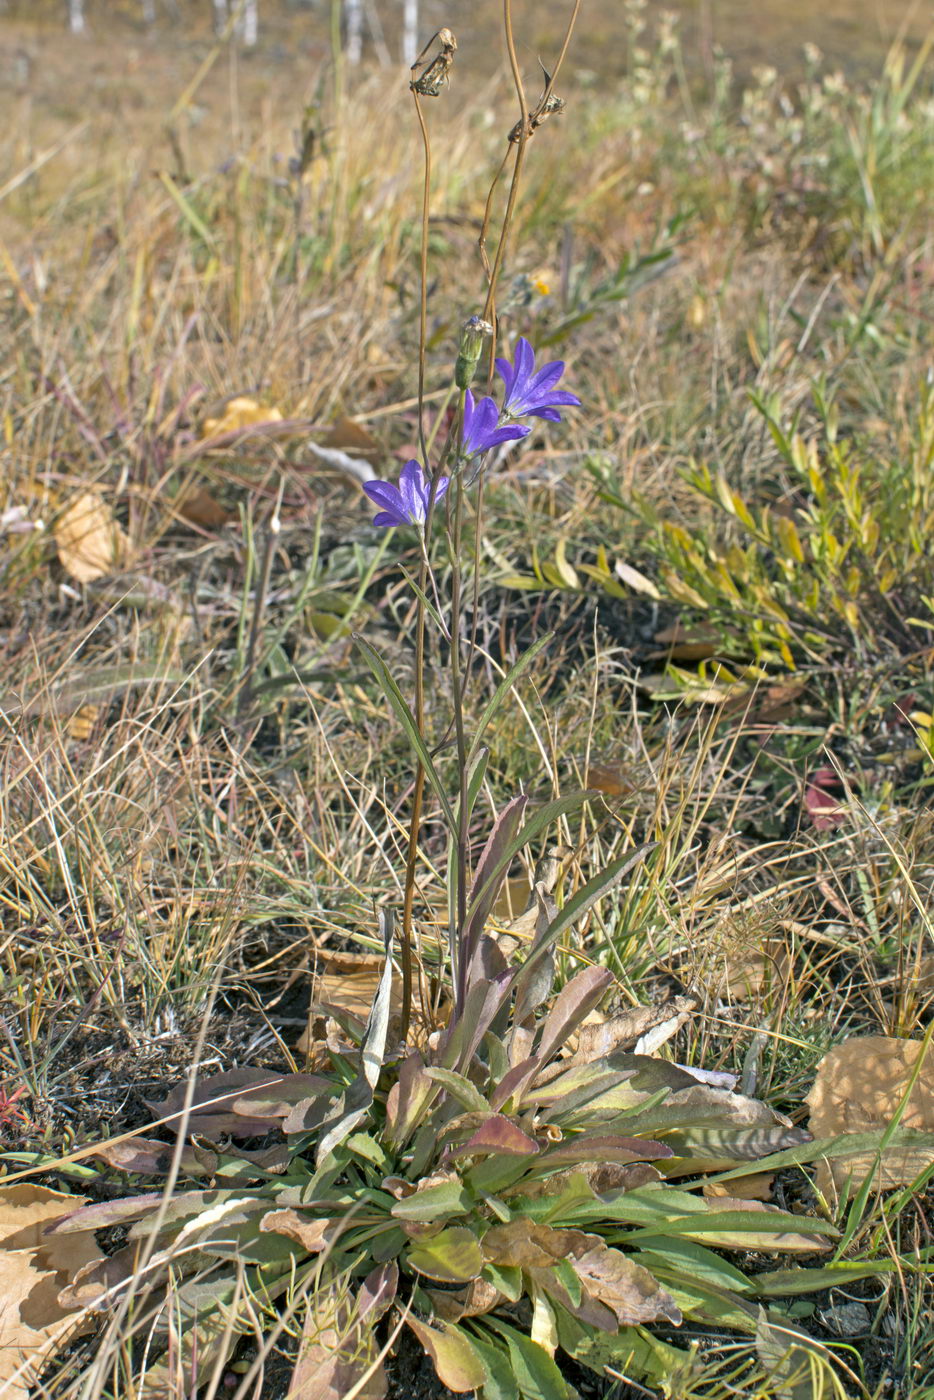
x=353, y=39
x=76, y=16
x=410, y=32
x=220, y=15
x=249, y=23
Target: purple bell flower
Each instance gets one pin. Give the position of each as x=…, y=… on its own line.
x=481, y=426
x=531, y=394
x=407, y=503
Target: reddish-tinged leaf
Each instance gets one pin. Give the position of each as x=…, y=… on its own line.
x=515, y=1081
x=408, y=1099
x=498, y=1135
x=313, y=1234
x=146, y=1155
x=489, y=877
x=238, y=1102
x=606, y=1147
x=819, y=800
x=575, y=1001
x=101, y=1215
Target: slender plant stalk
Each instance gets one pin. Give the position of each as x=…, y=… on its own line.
x=419, y=786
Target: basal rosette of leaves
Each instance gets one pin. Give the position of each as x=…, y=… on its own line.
x=507, y=1193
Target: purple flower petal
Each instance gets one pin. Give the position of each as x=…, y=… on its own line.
x=383, y=493
x=531, y=394
x=412, y=490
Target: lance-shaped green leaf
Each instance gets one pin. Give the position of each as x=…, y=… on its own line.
x=673, y=1257
x=765, y=1229
x=784, y=1283
x=632, y=1351
x=437, y=1202
x=406, y=718
x=451, y=1256
x=535, y=1371
x=460, y=1088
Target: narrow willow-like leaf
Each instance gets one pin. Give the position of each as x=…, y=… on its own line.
x=844, y=1146
x=784, y=1283
x=406, y=718
x=498, y=698
x=491, y=872
x=539, y=821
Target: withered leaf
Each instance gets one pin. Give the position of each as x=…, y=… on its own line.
x=34, y=1268
x=859, y=1086
x=89, y=541
x=338, y=1352
x=457, y=1364
x=621, y=1032
x=240, y=1102
x=311, y=1233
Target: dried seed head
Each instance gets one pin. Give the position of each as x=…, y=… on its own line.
x=553, y=106
x=438, y=69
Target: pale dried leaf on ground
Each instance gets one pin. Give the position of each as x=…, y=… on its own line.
x=859, y=1086
x=90, y=543
x=239, y=412
x=34, y=1268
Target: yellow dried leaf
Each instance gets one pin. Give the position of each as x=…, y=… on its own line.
x=237, y=413
x=858, y=1089
x=34, y=1268
x=90, y=543
x=81, y=724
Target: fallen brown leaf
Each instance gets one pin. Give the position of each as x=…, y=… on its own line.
x=34, y=1269
x=858, y=1088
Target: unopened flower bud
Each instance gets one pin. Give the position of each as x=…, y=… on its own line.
x=473, y=334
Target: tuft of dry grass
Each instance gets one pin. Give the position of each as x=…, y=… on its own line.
x=186, y=814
